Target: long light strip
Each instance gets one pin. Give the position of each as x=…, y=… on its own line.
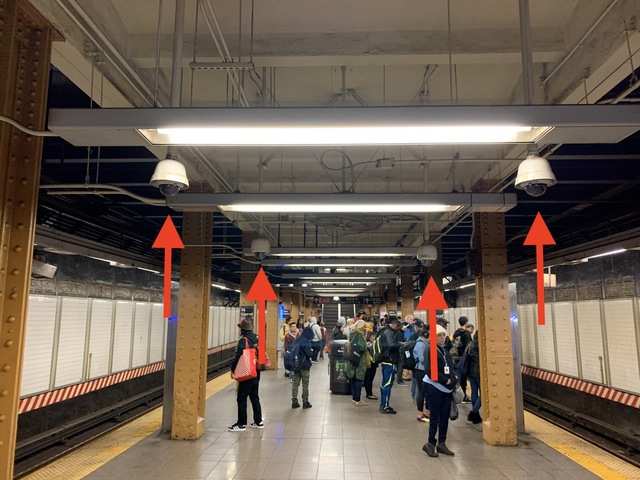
x=370, y=278
x=364, y=134
x=334, y=265
x=334, y=254
x=606, y=254
x=339, y=208
x=342, y=283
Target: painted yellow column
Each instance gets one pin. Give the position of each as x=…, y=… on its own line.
x=272, y=333
x=193, y=323
x=25, y=48
x=494, y=331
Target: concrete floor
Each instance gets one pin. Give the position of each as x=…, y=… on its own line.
x=334, y=440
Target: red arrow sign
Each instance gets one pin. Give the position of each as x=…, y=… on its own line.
x=539, y=236
x=261, y=291
x=168, y=239
x=431, y=301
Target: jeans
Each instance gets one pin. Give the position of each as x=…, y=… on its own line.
x=440, y=407
x=475, y=394
x=368, y=379
x=248, y=388
x=356, y=389
x=302, y=375
x=421, y=393
x=388, y=374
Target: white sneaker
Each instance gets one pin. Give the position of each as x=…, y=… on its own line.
x=236, y=428
x=257, y=425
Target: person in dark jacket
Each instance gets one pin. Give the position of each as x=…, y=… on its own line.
x=471, y=364
x=461, y=338
x=248, y=388
x=305, y=350
x=440, y=396
x=389, y=356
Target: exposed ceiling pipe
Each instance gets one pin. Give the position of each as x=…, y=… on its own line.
x=98, y=189
x=580, y=42
x=213, y=25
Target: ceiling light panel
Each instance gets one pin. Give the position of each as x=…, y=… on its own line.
x=343, y=126
x=343, y=202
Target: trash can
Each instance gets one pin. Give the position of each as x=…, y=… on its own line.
x=338, y=382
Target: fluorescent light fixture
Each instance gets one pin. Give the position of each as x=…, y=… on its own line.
x=606, y=254
x=343, y=202
x=344, y=126
x=336, y=299
x=317, y=265
x=149, y=270
x=220, y=286
x=345, y=135
x=467, y=285
x=339, y=208
x=357, y=254
x=369, y=278
x=336, y=254
x=304, y=285
x=341, y=283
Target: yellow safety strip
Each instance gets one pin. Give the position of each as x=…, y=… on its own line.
x=88, y=458
x=596, y=460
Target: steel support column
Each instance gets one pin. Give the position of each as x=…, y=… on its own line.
x=392, y=297
x=406, y=287
x=193, y=324
x=25, y=48
x=494, y=331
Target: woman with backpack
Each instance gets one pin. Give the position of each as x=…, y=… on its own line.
x=359, y=360
x=246, y=388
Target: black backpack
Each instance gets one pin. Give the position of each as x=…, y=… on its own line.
x=293, y=358
x=408, y=361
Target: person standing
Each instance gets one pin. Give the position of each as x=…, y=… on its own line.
x=289, y=338
x=387, y=350
x=440, y=394
x=471, y=365
x=461, y=338
x=369, y=335
x=302, y=352
x=247, y=388
x=316, y=343
x=337, y=332
x=359, y=363
x=418, y=374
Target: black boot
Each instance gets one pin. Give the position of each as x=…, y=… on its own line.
x=430, y=449
x=442, y=448
x=476, y=418
x=295, y=403
x=306, y=405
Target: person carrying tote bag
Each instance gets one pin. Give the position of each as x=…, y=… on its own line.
x=244, y=369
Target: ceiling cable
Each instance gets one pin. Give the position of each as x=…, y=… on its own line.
x=27, y=130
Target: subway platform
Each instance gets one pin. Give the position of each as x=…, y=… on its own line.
x=334, y=440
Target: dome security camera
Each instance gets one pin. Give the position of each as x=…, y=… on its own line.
x=535, y=176
x=170, y=177
x=427, y=254
x=260, y=247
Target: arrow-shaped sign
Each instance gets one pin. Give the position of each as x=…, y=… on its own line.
x=539, y=236
x=431, y=301
x=261, y=291
x=168, y=239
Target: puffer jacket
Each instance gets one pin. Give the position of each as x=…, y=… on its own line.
x=358, y=350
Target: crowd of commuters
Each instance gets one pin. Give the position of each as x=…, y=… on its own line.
x=400, y=349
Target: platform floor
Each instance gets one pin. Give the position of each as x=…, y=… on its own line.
x=334, y=440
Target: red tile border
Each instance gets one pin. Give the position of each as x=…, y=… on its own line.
x=44, y=399
x=602, y=391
